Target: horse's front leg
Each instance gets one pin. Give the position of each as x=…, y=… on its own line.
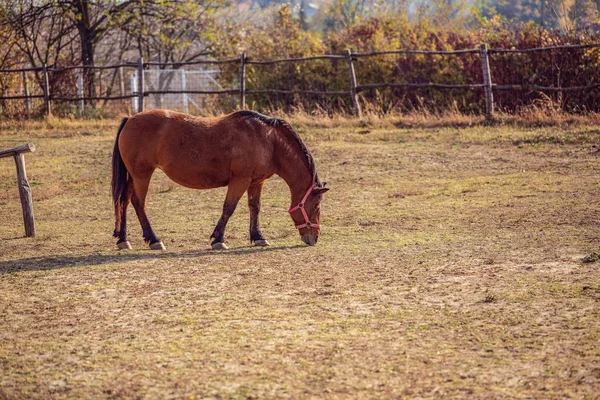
x=235, y=191
x=256, y=236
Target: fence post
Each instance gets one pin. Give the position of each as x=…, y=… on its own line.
x=487, y=82
x=243, y=81
x=26, y=93
x=121, y=82
x=184, y=96
x=80, y=90
x=48, y=110
x=133, y=88
x=25, y=195
x=355, y=104
x=23, y=184
x=140, y=85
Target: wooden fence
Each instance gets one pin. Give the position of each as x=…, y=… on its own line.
x=18, y=153
x=486, y=85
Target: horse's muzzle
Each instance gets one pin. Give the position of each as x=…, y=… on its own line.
x=310, y=240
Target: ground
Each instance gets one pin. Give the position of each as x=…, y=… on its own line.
x=449, y=266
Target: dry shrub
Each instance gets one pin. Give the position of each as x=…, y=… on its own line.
x=284, y=37
x=554, y=68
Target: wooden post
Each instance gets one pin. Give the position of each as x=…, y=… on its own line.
x=48, y=110
x=133, y=87
x=243, y=81
x=24, y=188
x=184, y=96
x=80, y=90
x=121, y=82
x=355, y=104
x=487, y=82
x=140, y=86
x=26, y=93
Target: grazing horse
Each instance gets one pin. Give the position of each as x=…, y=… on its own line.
x=239, y=150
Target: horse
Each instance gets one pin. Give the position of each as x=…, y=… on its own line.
x=239, y=150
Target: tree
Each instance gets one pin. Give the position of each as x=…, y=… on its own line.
x=51, y=21
x=583, y=13
x=173, y=31
x=344, y=13
x=41, y=35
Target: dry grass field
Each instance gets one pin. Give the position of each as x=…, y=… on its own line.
x=449, y=266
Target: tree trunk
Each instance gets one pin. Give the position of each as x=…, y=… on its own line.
x=87, y=60
x=86, y=38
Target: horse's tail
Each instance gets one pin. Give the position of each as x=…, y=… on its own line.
x=118, y=184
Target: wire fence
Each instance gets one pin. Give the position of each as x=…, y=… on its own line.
x=194, y=87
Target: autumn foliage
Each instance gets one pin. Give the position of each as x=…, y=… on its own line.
x=282, y=35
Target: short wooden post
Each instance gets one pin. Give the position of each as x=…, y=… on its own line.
x=243, y=81
x=24, y=188
x=487, y=82
x=140, y=86
x=48, y=110
x=26, y=93
x=355, y=104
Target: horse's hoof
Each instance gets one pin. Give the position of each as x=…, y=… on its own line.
x=261, y=242
x=125, y=245
x=219, y=246
x=157, y=246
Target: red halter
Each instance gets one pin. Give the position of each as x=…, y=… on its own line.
x=300, y=206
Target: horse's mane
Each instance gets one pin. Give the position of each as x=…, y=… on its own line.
x=291, y=135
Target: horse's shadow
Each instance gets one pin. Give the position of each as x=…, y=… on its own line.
x=100, y=258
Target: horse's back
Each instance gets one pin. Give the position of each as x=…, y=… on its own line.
x=195, y=152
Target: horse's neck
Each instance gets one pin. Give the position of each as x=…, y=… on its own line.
x=293, y=170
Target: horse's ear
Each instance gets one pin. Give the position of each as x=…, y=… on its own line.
x=320, y=190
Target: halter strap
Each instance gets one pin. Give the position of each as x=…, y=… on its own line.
x=300, y=206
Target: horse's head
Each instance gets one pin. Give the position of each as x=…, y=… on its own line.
x=307, y=214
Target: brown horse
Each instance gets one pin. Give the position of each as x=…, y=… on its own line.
x=240, y=150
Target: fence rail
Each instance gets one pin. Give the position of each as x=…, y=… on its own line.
x=423, y=52
x=301, y=59
x=354, y=87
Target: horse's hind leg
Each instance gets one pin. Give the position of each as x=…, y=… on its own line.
x=256, y=236
x=138, y=199
x=121, y=218
x=235, y=191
